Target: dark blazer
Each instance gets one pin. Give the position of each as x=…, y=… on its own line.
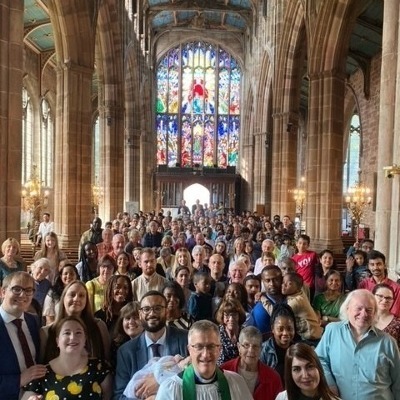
x=10, y=372
x=133, y=356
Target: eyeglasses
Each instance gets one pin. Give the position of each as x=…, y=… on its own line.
x=19, y=289
x=380, y=296
x=209, y=347
x=248, y=345
x=156, y=309
x=233, y=315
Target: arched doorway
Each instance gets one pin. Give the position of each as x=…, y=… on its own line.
x=196, y=192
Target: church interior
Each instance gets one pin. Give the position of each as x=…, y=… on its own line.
x=275, y=106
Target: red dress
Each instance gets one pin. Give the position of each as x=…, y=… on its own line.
x=268, y=383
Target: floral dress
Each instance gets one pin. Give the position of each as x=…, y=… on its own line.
x=229, y=350
x=84, y=385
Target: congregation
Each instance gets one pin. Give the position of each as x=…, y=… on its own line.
x=202, y=305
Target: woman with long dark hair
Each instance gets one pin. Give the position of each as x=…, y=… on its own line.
x=304, y=376
x=118, y=293
x=87, y=266
x=68, y=274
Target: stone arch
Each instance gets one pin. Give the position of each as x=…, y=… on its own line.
x=74, y=25
x=288, y=67
x=331, y=34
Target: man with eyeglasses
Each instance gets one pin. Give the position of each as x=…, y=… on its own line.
x=157, y=340
x=203, y=380
x=19, y=336
x=377, y=266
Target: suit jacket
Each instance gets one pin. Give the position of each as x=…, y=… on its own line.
x=10, y=372
x=133, y=356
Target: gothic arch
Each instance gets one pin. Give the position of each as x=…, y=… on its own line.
x=288, y=76
x=331, y=35
x=74, y=25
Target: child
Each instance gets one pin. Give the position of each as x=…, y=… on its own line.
x=307, y=322
x=306, y=260
x=287, y=250
x=40, y=269
x=288, y=265
x=356, y=269
x=267, y=258
x=200, y=302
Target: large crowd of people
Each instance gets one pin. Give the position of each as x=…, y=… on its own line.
x=202, y=305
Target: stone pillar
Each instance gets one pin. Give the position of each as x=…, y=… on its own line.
x=387, y=115
x=73, y=156
x=248, y=171
x=259, y=166
x=132, y=165
x=11, y=64
x=325, y=161
x=112, y=160
x=284, y=163
x=147, y=165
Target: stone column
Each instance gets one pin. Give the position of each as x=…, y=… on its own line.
x=132, y=165
x=147, y=165
x=387, y=116
x=11, y=64
x=325, y=161
x=284, y=163
x=73, y=157
x=112, y=160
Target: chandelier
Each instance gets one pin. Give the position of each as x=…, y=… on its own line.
x=34, y=196
x=299, y=196
x=357, y=199
x=97, y=196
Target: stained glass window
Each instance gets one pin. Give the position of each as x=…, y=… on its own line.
x=198, y=107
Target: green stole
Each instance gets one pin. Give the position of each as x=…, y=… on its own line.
x=189, y=384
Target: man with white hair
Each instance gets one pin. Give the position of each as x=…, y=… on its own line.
x=237, y=271
x=203, y=380
x=360, y=362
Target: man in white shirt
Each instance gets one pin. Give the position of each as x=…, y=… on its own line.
x=45, y=227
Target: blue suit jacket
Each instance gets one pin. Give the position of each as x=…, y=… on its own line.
x=133, y=356
x=10, y=372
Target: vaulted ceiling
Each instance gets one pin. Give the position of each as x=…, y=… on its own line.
x=223, y=15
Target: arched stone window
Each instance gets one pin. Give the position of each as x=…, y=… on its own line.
x=198, y=107
x=46, y=145
x=27, y=136
x=352, y=164
x=96, y=151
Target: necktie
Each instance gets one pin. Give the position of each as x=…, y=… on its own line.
x=24, y=343
x=155, y=348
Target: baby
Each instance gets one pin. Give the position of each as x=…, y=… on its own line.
x=161, y=367
x=307, y=322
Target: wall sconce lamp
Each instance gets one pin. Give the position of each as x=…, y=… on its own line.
x=391, y=171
